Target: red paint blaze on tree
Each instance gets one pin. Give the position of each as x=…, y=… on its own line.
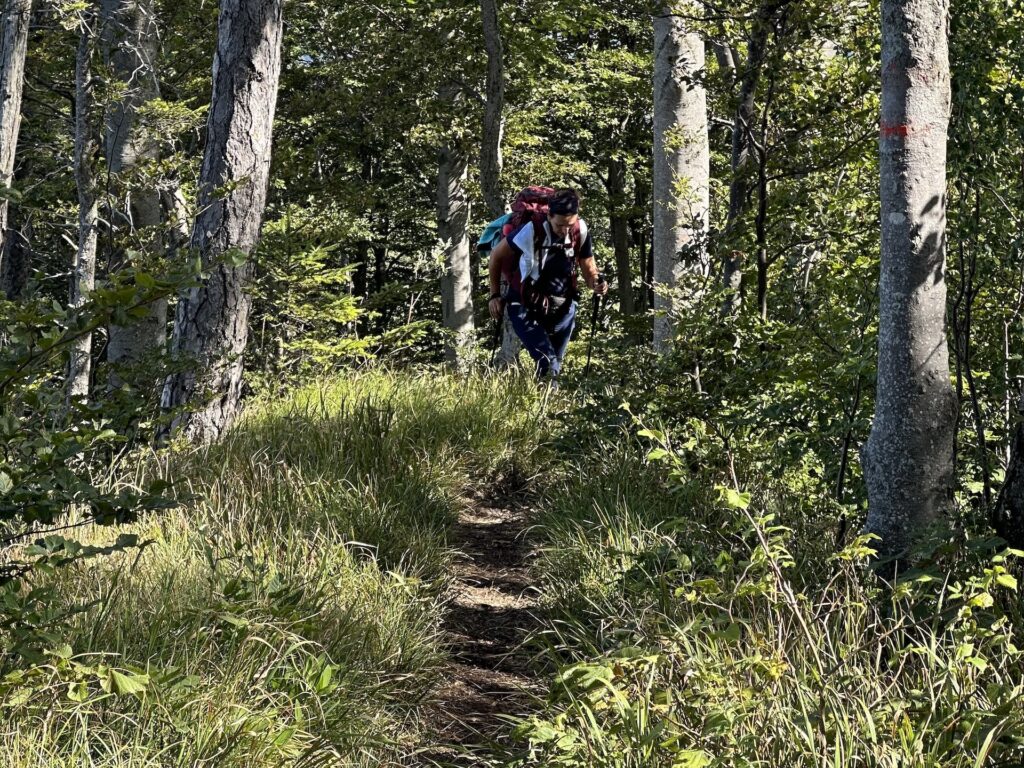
x=889, y=131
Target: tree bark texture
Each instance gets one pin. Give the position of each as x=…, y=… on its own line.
x=453, y=232
x=83, y=273
x=619, y=221
x=494, y=121
x=14, y=26
x=211, y=323
x=134, y=211
x=908, y=458
x=681, y=163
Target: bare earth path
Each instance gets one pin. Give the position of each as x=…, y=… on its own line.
x=492, y=612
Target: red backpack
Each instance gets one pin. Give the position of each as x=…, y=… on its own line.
x=531, y=204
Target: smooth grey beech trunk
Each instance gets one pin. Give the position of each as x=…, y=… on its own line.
x=453, y=233
x=211, y=322
x=83, y=272
x=494, y=106
x=908, y=458
x=681, y=163
x=14, y=24
x=134, y=212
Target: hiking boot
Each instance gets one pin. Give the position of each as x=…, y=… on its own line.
x=548, y=381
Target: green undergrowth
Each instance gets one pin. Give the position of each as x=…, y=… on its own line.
x=692, y=624
x=288, y=613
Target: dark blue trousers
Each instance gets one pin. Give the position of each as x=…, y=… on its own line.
x=546, y=339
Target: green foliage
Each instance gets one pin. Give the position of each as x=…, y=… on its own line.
x=701, y=613
x=694, y=626
x=290, y=611
x=56, y=452
x=304, y=298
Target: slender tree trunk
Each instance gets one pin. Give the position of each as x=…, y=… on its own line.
x=494, y=121
x=619, y=221
x=761, y=218
x=380, y=258
x=508, y=352
x=908, y=459
x=1009, y=511
x=211, y=323
x=681, y=164
x=742, y=134
x=15, y=263
x=452, y=230
x=648, y=256
x=83, y=273
x=726, y=57
x=175, y=215
x=360, y=278
x=134, y=211
x=638, y=236
x=13, y=45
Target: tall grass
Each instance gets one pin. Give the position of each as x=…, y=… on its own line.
x=289, y=612
x=695, y=626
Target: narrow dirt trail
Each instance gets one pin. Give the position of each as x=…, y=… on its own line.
x=493, y=609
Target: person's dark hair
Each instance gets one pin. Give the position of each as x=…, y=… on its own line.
x=565, y=202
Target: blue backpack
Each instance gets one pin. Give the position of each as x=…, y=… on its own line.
x=492, y=235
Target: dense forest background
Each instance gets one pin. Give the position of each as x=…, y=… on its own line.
x=276, y=593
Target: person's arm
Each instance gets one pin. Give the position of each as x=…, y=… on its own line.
x=588, y=267
x=499, y=256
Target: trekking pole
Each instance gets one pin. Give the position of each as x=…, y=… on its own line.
x=496, y=344
x=598, y=307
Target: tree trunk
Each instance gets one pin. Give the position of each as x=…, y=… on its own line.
x=452, y=230
x=16, y=262
x=175, y=215
x=742, y=131
x=380, y=256
x=761, y=218
x=681, y=163
x=13, y=45
x=908, y=458
x=638, y=236
x=130, y=38
x=211, y=323
x=726, y=57
x=619, y=221
x=494, y=121
x=508, y=352
x=83, y=273
x=1009, y=512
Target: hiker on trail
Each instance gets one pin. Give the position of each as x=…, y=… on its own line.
x=540, y=261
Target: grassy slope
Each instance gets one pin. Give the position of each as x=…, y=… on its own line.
x=291, y=609
x=696, y=627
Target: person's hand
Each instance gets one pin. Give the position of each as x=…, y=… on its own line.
x=496, y=306
x=601, y=288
